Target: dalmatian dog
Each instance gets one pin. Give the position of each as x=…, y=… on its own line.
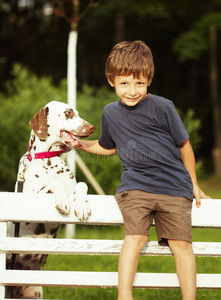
x=55, y=128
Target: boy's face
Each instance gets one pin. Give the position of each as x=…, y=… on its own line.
x=130, y=90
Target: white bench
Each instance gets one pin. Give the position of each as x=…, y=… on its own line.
x=19, y=207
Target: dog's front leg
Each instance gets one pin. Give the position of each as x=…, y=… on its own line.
x=81, y=206
x=61, y=197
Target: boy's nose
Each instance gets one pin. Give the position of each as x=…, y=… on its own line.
x=132, y=90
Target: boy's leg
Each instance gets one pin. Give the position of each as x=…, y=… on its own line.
x=127, y=265
x=185, y=267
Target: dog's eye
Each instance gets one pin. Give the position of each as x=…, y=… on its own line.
x=69, y=114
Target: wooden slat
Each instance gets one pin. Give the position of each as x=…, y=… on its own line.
x=102, y=279
x=104, y=210
x=2, y=254
x=40, y=208
x=95, y=247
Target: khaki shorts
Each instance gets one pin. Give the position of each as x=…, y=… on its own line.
x=172, y=215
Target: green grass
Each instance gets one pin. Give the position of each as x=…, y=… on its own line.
x=146, y=264
x=211, y=186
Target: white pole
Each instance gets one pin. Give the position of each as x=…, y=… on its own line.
x=72, y=85
x=72, y=101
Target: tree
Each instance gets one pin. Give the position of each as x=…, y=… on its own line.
x=203, y=37
x=70, y=10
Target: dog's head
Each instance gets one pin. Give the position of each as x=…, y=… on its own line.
x=61, y=123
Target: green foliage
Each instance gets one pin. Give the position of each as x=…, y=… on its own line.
x=191, y=44
x=154, y=9
x=24, y=97
x=193, y=126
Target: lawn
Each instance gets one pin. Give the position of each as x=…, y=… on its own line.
x=146, y=264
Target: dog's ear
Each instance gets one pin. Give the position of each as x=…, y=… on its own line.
x=39, y=123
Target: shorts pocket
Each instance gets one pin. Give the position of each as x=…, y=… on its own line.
x=187, y=212
x=125, y=204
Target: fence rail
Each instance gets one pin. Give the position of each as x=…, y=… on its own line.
x=40, y=208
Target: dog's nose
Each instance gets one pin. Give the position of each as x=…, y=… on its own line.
x=91, y=128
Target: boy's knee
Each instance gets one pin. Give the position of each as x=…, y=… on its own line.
x=176, y=245
x=137, y=241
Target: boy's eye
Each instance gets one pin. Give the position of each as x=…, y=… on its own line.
x=140, y=83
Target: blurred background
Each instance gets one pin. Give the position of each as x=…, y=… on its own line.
x=183, y=35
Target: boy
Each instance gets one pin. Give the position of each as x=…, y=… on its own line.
x=159, y=178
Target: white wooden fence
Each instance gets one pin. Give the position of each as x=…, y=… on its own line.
x=20, y=207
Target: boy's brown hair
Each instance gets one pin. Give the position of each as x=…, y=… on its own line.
x=130, y=58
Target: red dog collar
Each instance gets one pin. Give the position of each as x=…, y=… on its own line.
x=43, y=154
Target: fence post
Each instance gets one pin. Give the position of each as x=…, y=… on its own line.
x=3, y=231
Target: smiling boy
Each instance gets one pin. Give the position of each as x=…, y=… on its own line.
x=159, y=178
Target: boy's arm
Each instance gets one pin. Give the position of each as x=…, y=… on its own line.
x=189, y=162
x=92, y=146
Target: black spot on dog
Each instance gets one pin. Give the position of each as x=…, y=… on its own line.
x=72, y=176
x=60, y=171
x=19, y=294
x=8, y=264
x=69, y=114
x=49, y=192
x=37, y=294
x=28, y=257
x=42, y=259
x=40, y=229
x=49, y=162
x=18, y=266
x=36, y=175
x=54, y=230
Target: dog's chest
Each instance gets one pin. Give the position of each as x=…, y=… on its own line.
x=41, y=172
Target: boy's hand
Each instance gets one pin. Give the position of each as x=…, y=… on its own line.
x=92, y=146
x=198, y=195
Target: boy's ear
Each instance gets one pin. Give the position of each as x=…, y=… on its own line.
x=111, y=82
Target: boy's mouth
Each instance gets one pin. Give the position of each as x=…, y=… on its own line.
x=132, y=99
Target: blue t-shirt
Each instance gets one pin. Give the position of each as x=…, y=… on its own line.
x=147, y=138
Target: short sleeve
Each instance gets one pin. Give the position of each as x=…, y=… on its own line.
x=105, y=139
x=175, y=125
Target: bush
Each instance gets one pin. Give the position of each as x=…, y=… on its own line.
x=24, y=97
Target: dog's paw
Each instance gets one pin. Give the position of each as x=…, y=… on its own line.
x=82, y=210
x=63, y=209
x=62, y=204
